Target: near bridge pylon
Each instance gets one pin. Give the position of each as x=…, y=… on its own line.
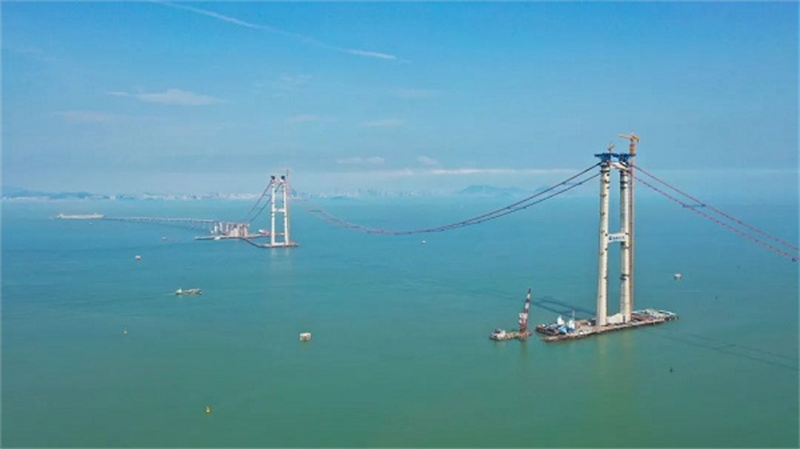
x=623, y=162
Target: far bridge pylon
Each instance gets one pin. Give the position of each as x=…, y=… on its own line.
x=279, y=212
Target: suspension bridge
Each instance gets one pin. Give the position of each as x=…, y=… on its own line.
x=277, y=194
x=278, y=234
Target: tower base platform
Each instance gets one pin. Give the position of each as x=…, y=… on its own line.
x=587, y=328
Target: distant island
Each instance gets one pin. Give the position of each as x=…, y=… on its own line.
x=492, y=191
x=488, y=191
x=18, y=194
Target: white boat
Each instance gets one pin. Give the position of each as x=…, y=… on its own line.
x=80, y=216
x=498, y=334
x=189, y=291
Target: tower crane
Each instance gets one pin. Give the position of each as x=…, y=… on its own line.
x=523, y=316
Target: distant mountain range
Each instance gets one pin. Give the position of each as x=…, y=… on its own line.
x=492, y=191
x=19, y=193
x=12, y=193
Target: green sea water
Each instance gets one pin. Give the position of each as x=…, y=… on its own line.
x=400, y=355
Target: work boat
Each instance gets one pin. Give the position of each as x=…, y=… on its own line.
x=189, y=291
x=498, y=334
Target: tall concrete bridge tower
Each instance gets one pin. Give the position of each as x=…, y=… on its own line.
x=623, y=163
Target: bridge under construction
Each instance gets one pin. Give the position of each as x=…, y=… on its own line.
x=626, y=318
x=277, y=191
x=277, y=195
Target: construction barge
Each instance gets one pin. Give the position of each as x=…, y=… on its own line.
x=573, y=330
x=523, y=333
x=503, y=335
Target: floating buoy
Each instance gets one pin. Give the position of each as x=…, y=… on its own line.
x=424, y=242
x=677, y=276
x=305, y=336
x=138, y=257
x=208, y=409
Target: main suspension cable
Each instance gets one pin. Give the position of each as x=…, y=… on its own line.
x=793, y=257
x=710, y=207
x=263, y=194
x=554, y=190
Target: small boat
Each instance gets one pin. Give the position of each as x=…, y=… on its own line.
x=498, y=334
x=80, y=216
x=189, y=291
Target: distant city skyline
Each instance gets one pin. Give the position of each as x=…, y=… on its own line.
x=180, y=97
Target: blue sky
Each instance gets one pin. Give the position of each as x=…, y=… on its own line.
x=211, y=96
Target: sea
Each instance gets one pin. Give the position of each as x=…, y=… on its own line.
x=98, y=351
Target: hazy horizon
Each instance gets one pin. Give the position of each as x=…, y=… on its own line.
x=215, y=97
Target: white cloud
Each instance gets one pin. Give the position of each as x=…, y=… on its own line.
x=416, y=93
x=384, y=123
x=499, y=171
x=370, y=54
x=425, y=160
x=32, y=52
x=284, y=85
x=306, y=118
x=379, y=174
x=175, y=97
x=78, y=116
x=402, y=172
x=287, y=83
x=450, y=172
x=271, y=29
x=374, y=160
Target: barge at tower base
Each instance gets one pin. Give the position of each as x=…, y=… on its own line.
x=626, y=318
x=585, y=328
